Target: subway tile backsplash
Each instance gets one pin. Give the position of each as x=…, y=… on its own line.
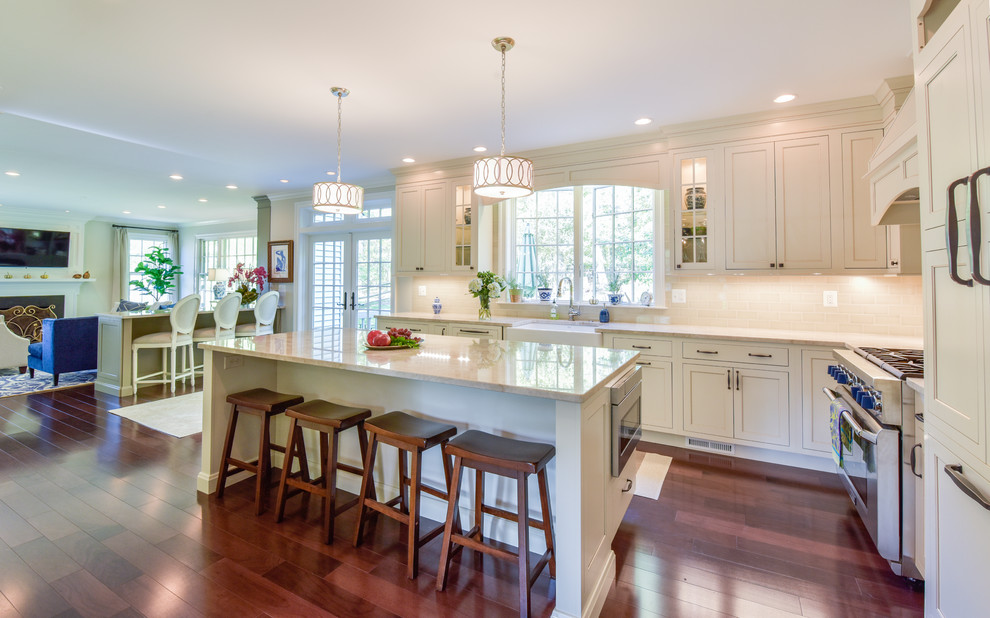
x=875, y=304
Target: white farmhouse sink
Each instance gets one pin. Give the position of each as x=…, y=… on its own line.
x=563, y=332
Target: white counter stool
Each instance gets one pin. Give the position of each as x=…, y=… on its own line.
x=183, y=321
x=224, y=319
x=264, y=317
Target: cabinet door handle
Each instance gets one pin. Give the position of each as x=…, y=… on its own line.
x=952, y=232
x=975, y=227
x=914, y=459
x=416, y=330
x=728, y=379
x=956, y=474
x=474, y=332
x=629, y=485
x=893, y=262
x=761, y=355
x=737, y=381
x=643, y=347
x=706, y=351
x=647, y=363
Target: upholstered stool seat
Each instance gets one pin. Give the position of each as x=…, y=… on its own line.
x=510, y=458
x=264, y=404
x=410, y=435
x=329, y=419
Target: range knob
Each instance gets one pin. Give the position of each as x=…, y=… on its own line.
x=832, y=370
x=856, y=389
x=841, y=376
x=868, y=402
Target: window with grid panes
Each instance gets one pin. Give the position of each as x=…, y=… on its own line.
x=374, y=208
x=607, y=231
x=225, y=253
x=139, y=245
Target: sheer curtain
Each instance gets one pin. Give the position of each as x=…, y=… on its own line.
x=121, y=268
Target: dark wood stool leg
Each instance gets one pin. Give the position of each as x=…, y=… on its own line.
x=363, y=443
x=264, y=466
x=301, y=455
x=454, y=491
x=330, y=482
x=541, y=477
x=290, y=452
x=403, y=482
x=479, y=501
x=415, y=477
x=523, y=499
x=228, y=444
x=366, y=481
x=447, y=477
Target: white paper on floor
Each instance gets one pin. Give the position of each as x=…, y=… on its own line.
x=177, y=416
x=649, y=479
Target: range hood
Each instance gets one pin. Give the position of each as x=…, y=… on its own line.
x=893, y=171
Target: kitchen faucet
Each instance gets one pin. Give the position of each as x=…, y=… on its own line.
x=571, y=311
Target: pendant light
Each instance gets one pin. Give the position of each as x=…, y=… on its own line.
x=338, y=197
x=503, y=177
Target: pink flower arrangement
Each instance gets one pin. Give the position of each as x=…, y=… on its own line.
x=246, y=276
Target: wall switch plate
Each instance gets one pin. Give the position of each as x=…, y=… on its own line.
x=678, y=296
x=422, y=290
x=830, y=298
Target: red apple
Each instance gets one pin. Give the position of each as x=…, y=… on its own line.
x=379, y=339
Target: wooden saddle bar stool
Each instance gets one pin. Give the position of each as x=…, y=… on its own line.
x=264, y=404
x=329, y=419
x=513, y=459
x=410, y=435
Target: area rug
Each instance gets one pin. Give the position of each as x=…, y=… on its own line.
x=652, y=472
x=14, y=383
x=177, y=416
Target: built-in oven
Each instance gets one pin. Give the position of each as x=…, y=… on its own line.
x=868, y=461
x=626, y=393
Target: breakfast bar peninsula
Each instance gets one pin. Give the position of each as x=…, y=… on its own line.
x=555, y=394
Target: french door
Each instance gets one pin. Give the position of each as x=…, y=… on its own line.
x=351, y=279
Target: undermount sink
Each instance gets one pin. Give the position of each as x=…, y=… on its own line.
x=563, y=332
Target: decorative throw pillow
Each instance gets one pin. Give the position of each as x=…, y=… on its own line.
x=130, y=305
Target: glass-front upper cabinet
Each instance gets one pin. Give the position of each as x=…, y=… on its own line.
x=693, y=246
x=463, y=227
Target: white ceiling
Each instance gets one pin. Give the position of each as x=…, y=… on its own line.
x=101, y=100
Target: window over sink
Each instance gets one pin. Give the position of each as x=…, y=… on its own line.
x=605, y=238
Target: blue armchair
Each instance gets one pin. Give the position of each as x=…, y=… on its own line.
x=67, y=344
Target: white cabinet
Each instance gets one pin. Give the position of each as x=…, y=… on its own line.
x=741, y=403
x=417, y=328
x=694, y=247
x=816, y=433
x=421, y=216
x=474, y=330
x=865, y=245
x=435, y=327
x=657, y=404
x=777, y=205
x=957, y=536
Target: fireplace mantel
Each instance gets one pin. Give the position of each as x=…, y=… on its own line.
x=69, y=288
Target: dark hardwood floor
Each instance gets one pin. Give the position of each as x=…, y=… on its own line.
x=99, y=516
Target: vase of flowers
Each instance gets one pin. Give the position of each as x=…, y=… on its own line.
x=486, y=286
x=248, y=281
x=615, y=281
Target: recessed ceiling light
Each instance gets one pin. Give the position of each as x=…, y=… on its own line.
x=785, y=98
x=12, y=173
x=408, y=160
x=161, y=205
x=643, y=121
x=66, y=211
x=202, y=199
x=175, y=177
x=284, y=180
x=331, y=173
x=480, y=149
x=126, y=212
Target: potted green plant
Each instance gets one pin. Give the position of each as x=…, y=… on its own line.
x=158, y=273
x=515, y=288
x=543, y=287
x=615, y=281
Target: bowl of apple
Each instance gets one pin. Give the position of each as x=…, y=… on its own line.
x=393, y=339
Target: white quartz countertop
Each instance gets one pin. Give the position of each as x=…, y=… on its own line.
x=917, y=385
x=796, y=337
x=561, y=372
x=143, y=313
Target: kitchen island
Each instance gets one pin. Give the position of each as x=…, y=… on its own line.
x=553, y=394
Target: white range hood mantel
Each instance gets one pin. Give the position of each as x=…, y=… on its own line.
x=68, y=288
x=893, y=172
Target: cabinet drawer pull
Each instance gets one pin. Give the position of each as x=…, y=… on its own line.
x=952, y=232
x=728, y=379
x=706, y=351
x=416, y=330
x=975, y=226
x=761, y=355
x=628, y=486
x=474, y=332
x=914, y=460
x=956, y=474
x=648, y=363
x=643, y=347
x=737, y=381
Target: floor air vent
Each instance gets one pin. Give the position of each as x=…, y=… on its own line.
x=709, y=445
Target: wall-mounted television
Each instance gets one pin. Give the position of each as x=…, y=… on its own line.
x=34, y=248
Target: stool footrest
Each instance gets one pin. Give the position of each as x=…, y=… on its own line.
x=497, y=512
x=250, y=466
x=481, y=546
x=544, y=559
x=349, y=468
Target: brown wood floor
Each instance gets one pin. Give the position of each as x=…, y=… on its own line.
x=99, y=516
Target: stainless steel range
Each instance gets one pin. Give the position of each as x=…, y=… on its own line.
x=873, y=436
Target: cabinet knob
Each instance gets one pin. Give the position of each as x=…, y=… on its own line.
x=772, y=265
x=678, y=265
x=780, y=265
x=893, y=262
